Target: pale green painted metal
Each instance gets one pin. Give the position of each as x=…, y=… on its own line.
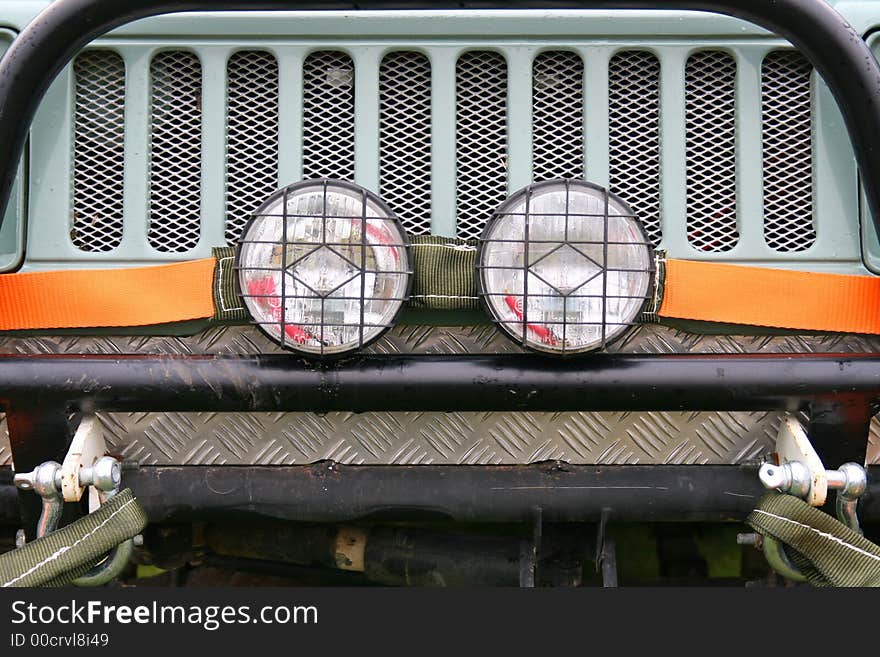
x=442, y=36
x=596, y=59
x=290, y=104
x=12, y=232
x=442, y=147
x=749, y=205
x=213, y=209
x=366, y=116
x=519, y=115
x=673, y=201
x=870, y=240
x=135, y=203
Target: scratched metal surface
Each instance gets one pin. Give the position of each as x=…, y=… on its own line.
x=420, y=339
x=440, y=438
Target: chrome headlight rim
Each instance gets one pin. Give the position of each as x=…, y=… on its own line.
x=385, y=214
x=485, y=294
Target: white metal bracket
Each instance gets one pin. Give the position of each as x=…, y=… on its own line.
x=86, y=448
x=793, y=445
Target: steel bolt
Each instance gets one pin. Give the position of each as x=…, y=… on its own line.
x=792, y=477
x=45, y=480
x=105, y=474
x=855, y=480
x=753, y=539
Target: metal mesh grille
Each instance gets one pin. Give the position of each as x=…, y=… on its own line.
x=251, y=136
x=405, y=138
x=175, y=151
x=557, y=116
x=99, y=150
x=710, y=105
x=788, y=161
x=634, y=135
x=328, y=115
x=481, y=139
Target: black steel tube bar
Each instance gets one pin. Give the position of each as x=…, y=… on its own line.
x=9, y=507
x=329, y=492
x=51, y=40
x=515, y=382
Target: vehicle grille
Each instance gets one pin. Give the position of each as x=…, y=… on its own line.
x=396, y=122
x=557, y=115
x=175, y=151
x=405, y=137
x=788, y=152
x=99, y=150
x=328, y=116
x=480, y=139
x=710, y=116
x=634, y=134
x=251, y=132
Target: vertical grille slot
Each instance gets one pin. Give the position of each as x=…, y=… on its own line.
x=405, y=138
x=98, y=150
x=480, y=139
x=328, y=115
x=787, y=145
x=710, y=105
x=634, y=135
x=557, y=116
x=175, y=151
x=251, y=135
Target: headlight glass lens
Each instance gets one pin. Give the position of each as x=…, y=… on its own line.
x=565, y=267
x=324, y=267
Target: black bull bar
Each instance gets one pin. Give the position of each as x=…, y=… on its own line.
x=839, y=392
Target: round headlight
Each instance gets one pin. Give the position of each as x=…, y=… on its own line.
x=564, y=267
x=324, y=267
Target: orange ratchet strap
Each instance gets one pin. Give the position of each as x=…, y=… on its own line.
x=107, y=297
x=733, y=294
x=702, y=291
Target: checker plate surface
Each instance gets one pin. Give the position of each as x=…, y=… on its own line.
x=440, y=438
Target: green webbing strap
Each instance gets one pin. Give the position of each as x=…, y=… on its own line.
x=825, y=550
x=228, y=307
x=443, y=277
x=65, y=554
x=443, y=273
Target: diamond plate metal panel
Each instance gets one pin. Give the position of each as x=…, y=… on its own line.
x=421, y=339
x=5, y=452
x=435, y=438
x=873, y=456
x=440, y=438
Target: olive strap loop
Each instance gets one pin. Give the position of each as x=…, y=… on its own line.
x=827, y=552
